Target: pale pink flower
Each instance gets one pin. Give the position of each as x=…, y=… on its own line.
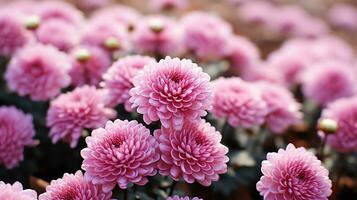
x=171, y=91
x=16, y=192
x=118, y=80
x=121, y=153
x=256, y=12
x=73, y=186
x=72, y=112
x=39, y=71
x=238, y=102
x=343, y=15
x=182, y=198
x=158, y=5
x=294, y=173
x=193, y=153
x=16, y=132
x=263, y=71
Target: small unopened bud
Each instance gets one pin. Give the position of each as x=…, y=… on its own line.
x=156, y=25
x=111, y=43
x=32, y=22
x=82, y=55
x=328, y=126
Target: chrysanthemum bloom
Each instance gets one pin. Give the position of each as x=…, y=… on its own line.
x=16, y=132
x=283, y=109
x=342, y=15
x=239, y=102
x=90, y=5
x=118, y=80
x=344, y=112
x=16, y=192
x=88, y=65
x=263, y=71
x=121, y=153
x=39, y=71
x=256, y=12
x=182, y=198
x=171, y=91
x=158, y=35
x=13, y=34
x=293, y=173
x=73, y=186
x=328, y=81
x=70, y=113
x=206, y=34
x=158, y=5
x=61, y=34
x=193, y=153
x=105, y=34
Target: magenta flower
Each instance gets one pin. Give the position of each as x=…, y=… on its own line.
x=182, y=198
x=118, y=80
x=344, y=112
x=121, y=153
x=16, y=132
x=193, y=153
x=342, y=15
x=158, y=35
x=293, y=173
x=283, y=109
x=256, y=12
x=88, y=65
x=239, y=102
x=206, y=34
x=16, y=192
x=262, y=71
x=70, y=113
x=73, y=186
x=39, y=71
x=158, y=5
x=171, y=91
x=328, y=81
x=60, y=10
x=59, y=33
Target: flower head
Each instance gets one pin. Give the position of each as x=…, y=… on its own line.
x=118, y=80
x=16, y=192
x=293, y=173
x=193, y=153
x=73, y=186
x=171, y=91
x=121, y=153
x=16, y=132
x=182, y=198
x=341, y=15
x=39, y=71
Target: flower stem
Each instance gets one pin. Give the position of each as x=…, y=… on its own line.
x=126, y=194
x=320, y=154
x=172, y=188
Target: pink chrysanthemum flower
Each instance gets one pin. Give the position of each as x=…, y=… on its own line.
x=344, y=112
x=27, y=7
x=328, y=81
x=256, y=12
x=171, y=91
x=118, y=80
x=39, y=71
x=206, y=34
x=70, y=113
x=88, y=65
x=294, y=173
x=61, y=34
x=13, y=34
x=283, y=109
x=182, y=198
x=262, y=71
x=90, y=5
x=121, y=153
x=158, y=5
x=239, y=102
x=158, y=35
x=193, y=153
x=16, y=192
x=16, y=132
x=73, y=186
x=343, y=15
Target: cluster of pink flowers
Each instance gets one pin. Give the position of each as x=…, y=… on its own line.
x=16, y=192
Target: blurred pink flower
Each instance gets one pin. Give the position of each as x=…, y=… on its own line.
x=256, y=12
x=343, y=16
x=171, y=91
x=293, y=173
x=121, y=153
x=90, y=5
x=239, y=102
x=16, y=192
x=89, y=67
x=158, y=35
x=73, y=186
x=16, y=132
x=344, y=112
x=118, y=80
x=39, y=71
x=206, y=34
x=284, y=110
x=193, y=153
x=159, y=5
x=328, y=81
x=182, y=198
x=262, y=71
